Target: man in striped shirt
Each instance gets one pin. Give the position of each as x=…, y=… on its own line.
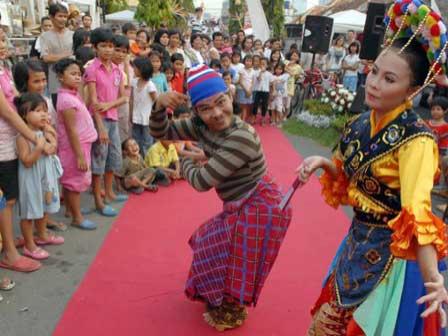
x=223, y=274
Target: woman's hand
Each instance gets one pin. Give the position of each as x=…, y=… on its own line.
x=170, y=100
x=436, y=297
x=309, y=166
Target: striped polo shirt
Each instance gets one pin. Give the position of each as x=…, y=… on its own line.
x=236, y=160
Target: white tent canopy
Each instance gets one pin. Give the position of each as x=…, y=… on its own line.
x=348, y=20
x=123, y=16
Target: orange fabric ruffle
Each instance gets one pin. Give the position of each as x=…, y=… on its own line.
x=406, y=228
x=335, y=190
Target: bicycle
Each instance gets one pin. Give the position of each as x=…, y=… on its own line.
x=310, y=86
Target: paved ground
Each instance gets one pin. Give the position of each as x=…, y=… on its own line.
x=35, y=306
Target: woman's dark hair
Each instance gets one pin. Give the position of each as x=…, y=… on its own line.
x=168, y=66
x=215, y=63
x=143, y=64
x=28, y=102
x=80, y=37
x=225, y=54
x=121, y=41
x=127, y=27
x=21, y=73
x=440, y=101
x=415, y=56
x=100, y=35
x=172, y=32
x=45, y=18
x=159, y=35
x=177, y=57
x=63, y=64
x=356, y=44
x=124, y=144
x=194, y=37
x=83, y=55
x=226, y=73
x=55, y=8
x=247, y=38
x=148, y=37
x=247, y=57
x=280, y=65
x=165, y=56
x=289, y=54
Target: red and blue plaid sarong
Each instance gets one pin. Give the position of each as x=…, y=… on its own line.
x=234, y=251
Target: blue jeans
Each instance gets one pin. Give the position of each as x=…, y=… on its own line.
x=141, y=135
x=350, y=83
x=107, y=157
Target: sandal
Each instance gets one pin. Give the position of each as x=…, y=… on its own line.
x=52, y=240
x=7, y=284
x=86, y=224
x=37, y=254
x=22, y=264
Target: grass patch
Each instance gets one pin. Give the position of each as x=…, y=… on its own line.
x=327, y=137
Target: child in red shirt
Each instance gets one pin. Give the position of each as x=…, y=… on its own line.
x=178, y=81
x=437, y=123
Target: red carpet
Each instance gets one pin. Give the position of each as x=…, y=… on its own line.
x=135, y=284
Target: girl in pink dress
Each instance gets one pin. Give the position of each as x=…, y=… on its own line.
x=76, y=133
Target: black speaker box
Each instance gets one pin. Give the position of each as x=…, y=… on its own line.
x=374, y=30
x=317, y=34
x=293, y=30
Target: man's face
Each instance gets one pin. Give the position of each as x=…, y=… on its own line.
x=217, y=42
x=87, y=22
x=46, y=25
x=59, y=20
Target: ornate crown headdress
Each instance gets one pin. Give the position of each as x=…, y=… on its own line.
x=413, y=19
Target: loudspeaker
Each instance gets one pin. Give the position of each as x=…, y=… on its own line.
x=374, y=30
x=293, y=30
x=317, y=34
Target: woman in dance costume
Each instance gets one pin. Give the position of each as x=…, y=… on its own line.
x=386, y=277
x=234, y=251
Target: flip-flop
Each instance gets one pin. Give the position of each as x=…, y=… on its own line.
x=37, y=254
x=86, y=224
x=118, y=199
x=23, y=264
x=107, y=211
x=52, y=240
x=7, y=284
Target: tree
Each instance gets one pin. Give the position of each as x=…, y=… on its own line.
x=156, y=12
x=188, y=5
x=275, y=15
x=236, y=15
x=113, y=6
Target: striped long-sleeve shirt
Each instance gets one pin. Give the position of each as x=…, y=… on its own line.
x=236, y=160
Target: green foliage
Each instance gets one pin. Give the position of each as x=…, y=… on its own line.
x=113, y=6
x=339, y=122
x=188, y=5
x=327, y=137
x=316, y=107
x=275, y=15
x=236, y=13
x=156, y=12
